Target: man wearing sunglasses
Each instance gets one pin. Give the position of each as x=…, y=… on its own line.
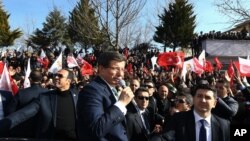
x=138, y=123
x=152, y=107
x=56, y=108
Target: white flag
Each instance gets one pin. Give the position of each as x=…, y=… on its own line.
x=72, y=62
x=248, y=57
x=26, y=83
x=42, y=55
x=57, y=65
x=5, y=80
x=187, y=66
x=153, y=60
x=202, y=58
x=244, y=66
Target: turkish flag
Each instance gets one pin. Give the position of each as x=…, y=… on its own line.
x=230, y=70
x=72, y=62
x=198, y=68
x=170, y=59
x=14, y=86
x=208, y=66
x=44, y=62
x=244, y=67
x=7, y=83
x=218, y=63
x=86, y=68
x=1, y=67
x=230, y=73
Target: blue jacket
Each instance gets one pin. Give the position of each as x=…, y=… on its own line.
x=21, y=99
x=45, y=106
x=7, y=97
x=98, y=118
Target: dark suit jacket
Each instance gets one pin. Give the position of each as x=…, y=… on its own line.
x=25, y=96
x=226, y=108
x=182, y=126
x=21, y=99
x=7, y=97
x=99, y=119
x=135, y=128
x=45, y=106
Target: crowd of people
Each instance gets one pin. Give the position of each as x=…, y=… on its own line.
x=153, y=104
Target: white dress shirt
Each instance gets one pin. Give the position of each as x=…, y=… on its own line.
x=207, y=125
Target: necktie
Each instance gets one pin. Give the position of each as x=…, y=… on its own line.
x=115, y=93
x=203, y=133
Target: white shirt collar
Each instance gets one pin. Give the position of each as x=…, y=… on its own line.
x=197, y=118
x=142, y=111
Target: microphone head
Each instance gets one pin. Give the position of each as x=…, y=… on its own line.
x=122, y=83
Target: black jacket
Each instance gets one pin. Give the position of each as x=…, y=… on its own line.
x=21, y=99
x=7, y=97
x=182, y=128
x=45, y=106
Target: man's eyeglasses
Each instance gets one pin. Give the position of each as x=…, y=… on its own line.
x=148, y=86
x=143, y=97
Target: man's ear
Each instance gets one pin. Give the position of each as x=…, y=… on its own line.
x=69, y=80
x=215, y=102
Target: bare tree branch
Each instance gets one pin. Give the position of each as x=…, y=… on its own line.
x=114, y=15
x=236, y=10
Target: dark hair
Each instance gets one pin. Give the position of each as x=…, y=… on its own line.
x=35, y=76
x=206, y=87
x=106, y=57
x=149, y=81
x=189, y=98
x=224, y=82
x=141, y=89
x=210, y=79
x=70, y=74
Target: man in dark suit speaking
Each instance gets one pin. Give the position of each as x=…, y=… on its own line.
x=199, y=124
x=101, y=112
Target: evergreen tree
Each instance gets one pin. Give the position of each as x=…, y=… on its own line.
x=7, y=37
x=177, y=26
x=83, y=26
x=54, y=31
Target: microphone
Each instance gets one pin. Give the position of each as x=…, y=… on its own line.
x=122, y=83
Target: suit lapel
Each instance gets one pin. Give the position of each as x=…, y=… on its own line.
x=107, y=89
x=138, y=120
x=215, y=129
x=53, y=104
